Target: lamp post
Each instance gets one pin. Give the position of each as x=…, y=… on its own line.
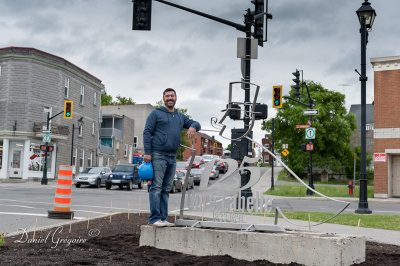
x=366, y=15
x=80, y=123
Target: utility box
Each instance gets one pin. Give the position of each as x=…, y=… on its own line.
x=240, y=148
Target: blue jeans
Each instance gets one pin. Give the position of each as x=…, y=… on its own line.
x=163, y=177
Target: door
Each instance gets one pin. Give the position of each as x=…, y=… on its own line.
x=15, y=163
x=396, y=176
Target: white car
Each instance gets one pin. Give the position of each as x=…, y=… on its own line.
x=207, y=157
x=92, y=176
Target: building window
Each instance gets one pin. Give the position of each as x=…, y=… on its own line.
x=117, y=145
x=369, y=127
x=82, y=99
x=90, y=158
x=80, y=131
x=66, y=87
x=135, y=142
x=46, y=110
x=75, y=154
x=106, y=142
x=95, y=98
x=82, y=159
x=36, y=158
x=126, y=150
x=93, y=128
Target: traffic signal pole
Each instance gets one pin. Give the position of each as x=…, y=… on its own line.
x=44, y=177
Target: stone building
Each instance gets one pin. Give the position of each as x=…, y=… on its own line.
x=32, y=84
x=387, y=126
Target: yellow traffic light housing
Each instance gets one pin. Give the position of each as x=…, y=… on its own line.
x=68, y=109
x=277, y=97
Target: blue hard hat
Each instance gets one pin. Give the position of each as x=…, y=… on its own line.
x=146, y=171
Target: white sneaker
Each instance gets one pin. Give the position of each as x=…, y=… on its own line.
x=159, y=224
x=166, y=223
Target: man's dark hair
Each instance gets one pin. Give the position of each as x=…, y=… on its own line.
x=167, y=90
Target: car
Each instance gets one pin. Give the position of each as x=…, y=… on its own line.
x=214, y=172
x=222, y=166
x=181, y=166
x=124, y=175
x=92, y=176
x=177, y=184
x=182, y=175
x=208, y=157
x=197, y=162
x=196, y=173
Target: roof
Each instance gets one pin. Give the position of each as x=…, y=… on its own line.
x=13, y=49
x=369, y=116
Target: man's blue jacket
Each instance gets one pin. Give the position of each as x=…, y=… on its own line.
x=162, y=132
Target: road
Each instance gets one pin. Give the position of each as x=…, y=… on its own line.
x=22, y=203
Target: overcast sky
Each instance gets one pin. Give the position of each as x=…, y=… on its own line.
x=197, y=56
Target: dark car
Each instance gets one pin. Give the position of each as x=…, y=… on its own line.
x=92, y=176
x=124, y=175
x=221, y=166
x=196, y=173
x=197, y=162
x=181, y=175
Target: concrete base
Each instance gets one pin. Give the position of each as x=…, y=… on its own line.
x=304, y=248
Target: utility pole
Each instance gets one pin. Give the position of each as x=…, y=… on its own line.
x=272, y=150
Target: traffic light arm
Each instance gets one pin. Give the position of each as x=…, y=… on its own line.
x=223, y=21
x=297, y=101
x=56, y=115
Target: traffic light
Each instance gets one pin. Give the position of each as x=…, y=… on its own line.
x=68, y=109
x=307, y=147
x=258, y=33
x=234, y=112
x=49, y=148
x=141, y=15
x=296, y=86
x=261, y=111
x=277, y=97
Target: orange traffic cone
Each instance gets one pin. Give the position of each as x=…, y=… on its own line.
x=62, y=200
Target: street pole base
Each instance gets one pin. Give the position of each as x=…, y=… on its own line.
x=43, y=181
x=363, y=211
x=60, y=215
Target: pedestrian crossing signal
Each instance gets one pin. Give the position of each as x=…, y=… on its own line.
x=277, y=97
x=68, y=109
x=49, y=148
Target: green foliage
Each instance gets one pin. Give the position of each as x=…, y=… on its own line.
x=107, y=99
x=2, y=240
x=350, y=167
x=184, y=140
x=333, y=125
x=229, y=148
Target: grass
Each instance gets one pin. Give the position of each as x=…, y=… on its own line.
x=330, y=191
x=389, y=222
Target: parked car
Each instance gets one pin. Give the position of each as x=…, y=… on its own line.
x=197, y=162
x=181, y=166
x=92, y=176
x=124, y=175
x=196, y=173
x=181, y=175
x=221, y=166
x=214, y=172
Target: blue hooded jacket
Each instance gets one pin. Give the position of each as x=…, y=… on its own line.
x=162, y=132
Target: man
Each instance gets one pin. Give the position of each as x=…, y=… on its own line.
x=161, y=138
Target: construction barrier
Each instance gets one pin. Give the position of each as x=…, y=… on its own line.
x=62, y=200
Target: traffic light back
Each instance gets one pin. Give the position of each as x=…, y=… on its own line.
x=277, y=97
x=68, y=109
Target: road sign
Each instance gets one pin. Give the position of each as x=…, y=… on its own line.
x=311, y=112
x=379, y=157
x=310, y=133
x=285, y=146
x=302, y=126
x=285, y=152
x=46, y=138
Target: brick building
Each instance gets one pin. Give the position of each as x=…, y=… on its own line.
x=34, y=83
x=204, y=144
x=387, y=126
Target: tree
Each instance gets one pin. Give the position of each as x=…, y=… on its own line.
x=228, y=148
x=184, y=140
x=334, y=127
x=107, y=99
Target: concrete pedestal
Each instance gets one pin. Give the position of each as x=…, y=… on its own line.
x=300, y=247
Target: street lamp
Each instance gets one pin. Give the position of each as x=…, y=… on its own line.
x=80, y=123
x=366, y=15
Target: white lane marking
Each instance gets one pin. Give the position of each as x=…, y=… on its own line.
x=34, y=214
x=21, y=206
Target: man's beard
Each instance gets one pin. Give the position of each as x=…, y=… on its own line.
x=167, y=103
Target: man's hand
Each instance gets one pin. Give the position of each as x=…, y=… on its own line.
x=190, y=133
x=147, y=158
